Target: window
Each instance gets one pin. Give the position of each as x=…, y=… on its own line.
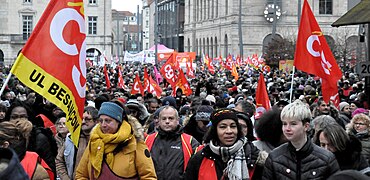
x=325, y=6
x=27, y=26
x=92, y=1
x=93, y=22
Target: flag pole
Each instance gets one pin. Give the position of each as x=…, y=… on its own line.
x=5, y=83
x=291, y=86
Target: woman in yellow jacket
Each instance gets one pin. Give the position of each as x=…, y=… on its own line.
x=113, y=151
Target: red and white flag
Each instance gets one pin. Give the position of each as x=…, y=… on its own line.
x=106, y=75
x=146, y=86
x=313, y=54
x=155, y=89
x=121, y=82
x=168, y=70
x=189, y=69
x=183, y=84
x=137, y=88
x=53, y=61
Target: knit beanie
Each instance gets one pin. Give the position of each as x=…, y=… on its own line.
x=204, y=113
x=342, y=105
x=169, y=101
x=112, y=110
x=221, y=114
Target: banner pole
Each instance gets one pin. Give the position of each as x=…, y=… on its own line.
x=291, y=86
x=5, y=83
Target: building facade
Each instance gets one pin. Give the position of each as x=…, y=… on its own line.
x=211, y=26
x=127, y=32
x=146, y=25
x=19, y=18
x=170, y=26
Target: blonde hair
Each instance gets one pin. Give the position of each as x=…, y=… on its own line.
x=359, y=117
x=298, y=111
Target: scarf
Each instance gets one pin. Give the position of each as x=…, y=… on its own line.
x=234, y=155
x=104, y=144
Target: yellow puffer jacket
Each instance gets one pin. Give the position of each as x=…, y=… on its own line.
x=132, y=161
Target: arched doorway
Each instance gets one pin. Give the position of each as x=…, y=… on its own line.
x=1, y=56
x=267, y=40
x=93, y=54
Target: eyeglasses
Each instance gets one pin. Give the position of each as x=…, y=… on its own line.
x=359, y=124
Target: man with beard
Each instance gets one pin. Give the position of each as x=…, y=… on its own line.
x=324, y=108
x=170, y=148
x=66, y=162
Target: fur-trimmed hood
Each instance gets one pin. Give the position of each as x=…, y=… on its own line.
x=136, y=127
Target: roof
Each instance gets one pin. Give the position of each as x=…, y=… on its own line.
x=360, y=14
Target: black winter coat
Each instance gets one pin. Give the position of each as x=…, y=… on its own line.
x=192, y=171
x=351, y=157
x=167, y=155
x=310, y=162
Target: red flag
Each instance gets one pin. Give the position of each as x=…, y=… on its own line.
x=229, y=63
x=189, y=69
x=168, y=70
x=313, y=54
x=137, y=87
x=238, y=61
x=107, y=81
x=208, y=62
x=155, y=88
x=53, y=61
x=183, y=84
x=146, y=86
x=262, y=99
x=121, y=82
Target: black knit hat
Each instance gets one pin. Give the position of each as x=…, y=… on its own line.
x=221, y=114
x=204, y=113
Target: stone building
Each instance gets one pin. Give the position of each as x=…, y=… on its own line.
x=127, y=37
x=19, y=18
x=211, y=26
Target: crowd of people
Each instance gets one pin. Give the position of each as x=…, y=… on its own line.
x=218, y=132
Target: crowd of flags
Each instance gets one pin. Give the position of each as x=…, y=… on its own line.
x=312, y=56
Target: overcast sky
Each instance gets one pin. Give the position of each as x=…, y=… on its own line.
x=126, y=5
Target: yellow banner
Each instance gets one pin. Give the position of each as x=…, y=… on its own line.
x=52, y=89
x=286, y=65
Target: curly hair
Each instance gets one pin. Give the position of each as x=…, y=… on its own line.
x=356, y=118
x=269, y=127
x=16, y=133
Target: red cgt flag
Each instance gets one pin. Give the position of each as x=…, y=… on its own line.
x=107, y=81
x=53, y=61
x=208, y=62
x=155, y=88
x=183, y=84
x=168, y=70
x=262, y=98
x=314, y=56
x=146, y=86
x=137, y=87
x=229, y=63
x=121, y=82
x=189, y=69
